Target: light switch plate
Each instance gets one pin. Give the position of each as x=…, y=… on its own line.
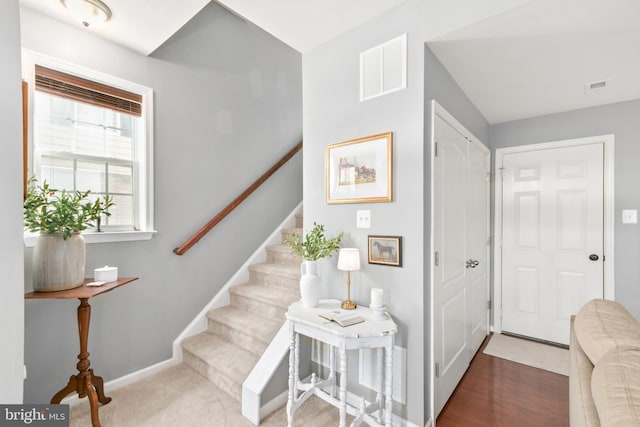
x=363, y=219
x=629, y=216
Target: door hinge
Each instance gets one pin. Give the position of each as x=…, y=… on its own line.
x=436, y=258
x=437, y=370
x=435, y=150
x=489, y=304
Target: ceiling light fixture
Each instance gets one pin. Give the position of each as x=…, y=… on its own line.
x=89, y=12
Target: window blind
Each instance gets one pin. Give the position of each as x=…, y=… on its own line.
x=78, y=89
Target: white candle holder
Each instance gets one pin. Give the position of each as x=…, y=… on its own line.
x=379, y=313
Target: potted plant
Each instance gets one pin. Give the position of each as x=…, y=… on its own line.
x=313, y=247
x=60, y=216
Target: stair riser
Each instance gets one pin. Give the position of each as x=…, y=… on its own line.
x=274, y=281
x=278, y=257
x=229, y=385
x=238, y=338
x=258, y=307
x=285, y=233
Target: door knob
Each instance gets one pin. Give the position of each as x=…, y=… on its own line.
x=594, y=257
x=472, y=263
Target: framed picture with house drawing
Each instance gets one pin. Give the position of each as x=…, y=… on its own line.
x=385, y=250
x=359, y=171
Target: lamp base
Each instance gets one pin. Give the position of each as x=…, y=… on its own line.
x=348, y=305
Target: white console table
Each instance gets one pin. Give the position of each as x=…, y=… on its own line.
x=371, y=333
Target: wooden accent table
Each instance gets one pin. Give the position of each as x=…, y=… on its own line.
x=85, y=383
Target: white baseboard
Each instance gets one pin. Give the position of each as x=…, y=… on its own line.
x=125, y=380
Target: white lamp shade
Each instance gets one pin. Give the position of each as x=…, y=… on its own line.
x=349, y=259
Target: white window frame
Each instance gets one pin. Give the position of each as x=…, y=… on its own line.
x=144, y=189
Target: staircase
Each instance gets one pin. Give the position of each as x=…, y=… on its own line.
x=238, y=334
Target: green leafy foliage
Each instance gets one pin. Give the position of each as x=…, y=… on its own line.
x=48, y=210
x=315, y=245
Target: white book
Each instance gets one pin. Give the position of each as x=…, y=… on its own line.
x=342, y=318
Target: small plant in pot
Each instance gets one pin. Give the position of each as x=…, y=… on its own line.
x=313, y=247
x=60, y=216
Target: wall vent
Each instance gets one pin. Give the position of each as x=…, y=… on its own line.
x=383, y=69
x=595, y=86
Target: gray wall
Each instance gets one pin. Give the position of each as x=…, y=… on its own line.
x=439, y=85
x=228, y=104
x=333, y=113
x=620, y=119
x=11, y=251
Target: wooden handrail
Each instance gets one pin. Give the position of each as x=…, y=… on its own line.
x=231, y=206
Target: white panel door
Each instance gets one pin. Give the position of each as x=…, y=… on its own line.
x=477, y=244
x=552, y=248
x=461, y=265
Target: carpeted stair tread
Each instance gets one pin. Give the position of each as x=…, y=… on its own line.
x=289, y=271
x=279, y=297
x=286, y=232
x=281, y=254
x=279, y=247
x=275, y=275
x=225, y=356
x=223, y=363
x=265, y=301
x=245, y=329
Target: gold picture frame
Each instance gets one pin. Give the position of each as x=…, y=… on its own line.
x=353, y=170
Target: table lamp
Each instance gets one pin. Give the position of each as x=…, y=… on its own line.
x=349, y=260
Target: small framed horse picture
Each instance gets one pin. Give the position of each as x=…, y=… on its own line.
x=385, y=250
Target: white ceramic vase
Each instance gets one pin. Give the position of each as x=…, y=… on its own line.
x=310, y=283
x=58, y=264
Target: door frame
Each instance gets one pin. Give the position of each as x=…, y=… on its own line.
x=439, y=110
x=609, y=214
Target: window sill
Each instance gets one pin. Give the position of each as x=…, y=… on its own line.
x=103, y=237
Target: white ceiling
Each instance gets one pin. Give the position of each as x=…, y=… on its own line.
x=537, y=58
x=529, y=61
x=302, y=24
x=140, y=25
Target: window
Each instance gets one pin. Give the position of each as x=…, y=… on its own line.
x=92, y=132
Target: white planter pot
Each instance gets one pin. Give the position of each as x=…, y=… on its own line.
x=58, y=264
x=310, y=283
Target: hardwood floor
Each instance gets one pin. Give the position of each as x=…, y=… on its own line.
x=498, y=392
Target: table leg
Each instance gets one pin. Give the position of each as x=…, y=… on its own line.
x=85, y=383
x=292, y=370
x=343, y=384
x=381, y=384
x=332, y=369
x=388, y=382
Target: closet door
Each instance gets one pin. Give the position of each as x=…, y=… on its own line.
x=461, y=201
